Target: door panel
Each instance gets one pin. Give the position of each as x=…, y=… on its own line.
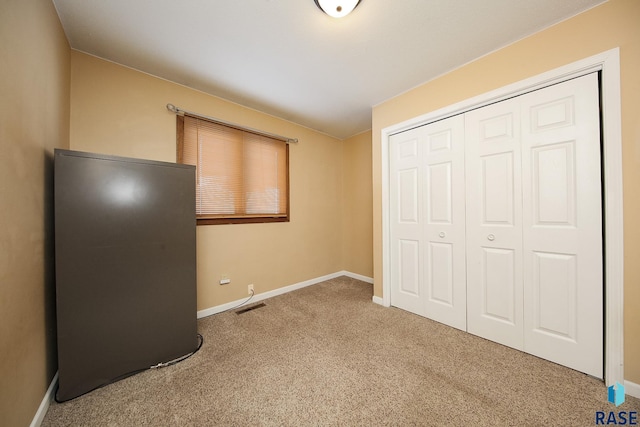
x=439, y=195
x=408, y=196
x=497, y=187
x=440, y=270
x=562, y=220
x=554, y=295
x=427, y=185
x=444, y=231
x=406, y=222
x=498, y=290
x=553, y=185
x=494, y=229
x=409, y=275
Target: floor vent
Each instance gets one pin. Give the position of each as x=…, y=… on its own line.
x=253, y=307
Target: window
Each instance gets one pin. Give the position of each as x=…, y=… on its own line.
x=241, y=177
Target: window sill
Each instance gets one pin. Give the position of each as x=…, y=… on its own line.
x=252, y=220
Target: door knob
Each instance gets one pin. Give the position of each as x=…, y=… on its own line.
x=441, y=234
x=491, y=237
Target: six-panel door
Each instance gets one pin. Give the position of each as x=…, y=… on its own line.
x=427, y=249
x=562, y=225
x=494, y=223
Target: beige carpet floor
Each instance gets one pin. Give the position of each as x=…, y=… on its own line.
x=327, y=355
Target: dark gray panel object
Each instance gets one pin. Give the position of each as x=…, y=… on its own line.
x=125, y=237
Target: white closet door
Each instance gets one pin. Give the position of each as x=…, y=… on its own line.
x=563, y=278
x=407, y=288
x=510, y=196
x=444, y=225
x=428, y=221
x=494, y=223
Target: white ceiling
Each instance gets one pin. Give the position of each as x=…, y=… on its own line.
x=287, y=58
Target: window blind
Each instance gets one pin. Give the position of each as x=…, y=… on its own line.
x=239, y=174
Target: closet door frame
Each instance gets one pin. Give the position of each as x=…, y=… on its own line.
x=608, y=63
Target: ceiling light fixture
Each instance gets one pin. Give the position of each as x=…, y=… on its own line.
x=337, y=8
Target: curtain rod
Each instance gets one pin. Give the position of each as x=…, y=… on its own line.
x=182, y=112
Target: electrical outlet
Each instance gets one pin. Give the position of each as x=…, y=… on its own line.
x=250, y=289
x=224, y=280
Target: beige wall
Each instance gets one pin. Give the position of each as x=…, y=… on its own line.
x=613, y=24
x=34, y=119
x=357, y=227
x=120, y=111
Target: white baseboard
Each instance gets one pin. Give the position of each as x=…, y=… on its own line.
x=259, y=297
x=378, y=300
x=46, y=401
x=357, y=276
x=632, y=389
